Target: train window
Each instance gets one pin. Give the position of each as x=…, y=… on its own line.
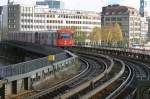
x=64, y=36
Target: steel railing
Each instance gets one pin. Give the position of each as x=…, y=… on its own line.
x=99, y=45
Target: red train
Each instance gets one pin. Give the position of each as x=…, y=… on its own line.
x=65, y=37
x=61, y=37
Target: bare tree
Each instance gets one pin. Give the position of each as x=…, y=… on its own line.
x=112, y=34
x=117, y=33
x=95, y=35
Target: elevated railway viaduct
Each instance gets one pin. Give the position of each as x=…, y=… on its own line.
x=12, y=75
x=142, y=55
x=136, y=55
x=29, y=64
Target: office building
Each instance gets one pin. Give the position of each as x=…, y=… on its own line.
x=144, y=30
x=37, y=18
x=1, y=8
x=149, y=28
x=143, y=8
x=52, y=3
x=127, y=17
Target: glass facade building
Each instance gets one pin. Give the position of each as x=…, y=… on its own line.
x=52, y=3
x=143, y=8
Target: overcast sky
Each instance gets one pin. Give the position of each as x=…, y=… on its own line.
x=93, y=5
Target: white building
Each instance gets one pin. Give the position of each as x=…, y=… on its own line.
x=144, y=30
x=39, y=18
x=149, y=28
x=1, y=8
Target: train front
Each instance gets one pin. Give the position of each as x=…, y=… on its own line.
x=64, y=38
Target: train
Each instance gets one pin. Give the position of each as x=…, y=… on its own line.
x=59, y=38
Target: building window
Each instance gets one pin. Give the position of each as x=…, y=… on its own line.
x=119, y=12
x=125, y=19
x=107, y=13
x=131, y=29
x=133, y=12
x=22, y=26
x=113, y=19
x=22, y=14
x=113, y=13
x=107, y=19
x=131, y=23
x=119, y=19
x=120, y=24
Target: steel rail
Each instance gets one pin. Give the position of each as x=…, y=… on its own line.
x=58, y=85
x=107, y=83
x=60, y=90
x=84, y=85
x=95, y=79
x=145, y=69
x=124, y=85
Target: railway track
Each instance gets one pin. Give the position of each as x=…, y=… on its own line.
x=128, y=87
x=137, y=71
x=140, y=71
x=84, y=67
x=104, y=87
x=114, y=79
x=100, y=82
x=127, y=80
x=83, y=88
x=94, y=68
x=96, y=78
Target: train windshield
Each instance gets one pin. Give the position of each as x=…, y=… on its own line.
x=64, y=36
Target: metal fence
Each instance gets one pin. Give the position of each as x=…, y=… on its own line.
x=119, y=48
x=25, y=67
x=99, y=44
